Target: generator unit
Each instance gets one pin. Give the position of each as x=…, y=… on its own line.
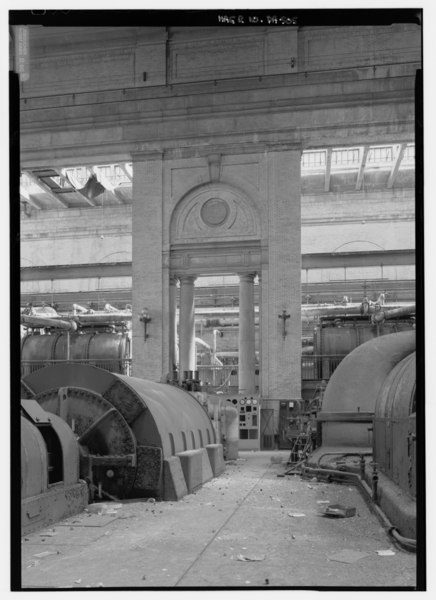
x=51, y=487
x=369, y=409
x=130, y=437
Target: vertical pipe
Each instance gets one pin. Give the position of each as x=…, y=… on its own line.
x=247, y=359
x=173, y=326
x=259, y=279
x=187, y=325
x=215, y=331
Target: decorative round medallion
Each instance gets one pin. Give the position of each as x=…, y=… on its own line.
x=214, y=212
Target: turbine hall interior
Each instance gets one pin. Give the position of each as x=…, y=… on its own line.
x=217, y=242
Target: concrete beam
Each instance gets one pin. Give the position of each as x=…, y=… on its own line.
x=121, y=269
x=358, y=259
x=46, y=189
x=363, y=158
x=125, y=171
x=328, y=170
x=309, y=261
x=396, y=166
x=25, y=197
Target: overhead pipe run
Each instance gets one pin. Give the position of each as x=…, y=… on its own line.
x=102, y=318
x=45, y=322
x=311, y=312
x=401, y=311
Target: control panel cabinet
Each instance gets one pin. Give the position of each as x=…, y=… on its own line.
x=249, y=421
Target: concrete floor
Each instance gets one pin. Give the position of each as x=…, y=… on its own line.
x=200, y=540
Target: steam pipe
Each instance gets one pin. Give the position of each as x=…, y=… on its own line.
x=401, y=311
x=231, y=419
x=79, y=309
x=103, y=318
x=308, y=312
x=34, y=321
x=353, y=309
x=363, y=453
x=202, y=343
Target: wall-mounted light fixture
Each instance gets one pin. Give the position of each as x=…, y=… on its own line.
x=284, y=316
x=145, y=318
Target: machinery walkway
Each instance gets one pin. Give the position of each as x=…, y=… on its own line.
x=246, y=528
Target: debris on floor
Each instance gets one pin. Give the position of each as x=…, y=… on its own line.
x=337, y=510
x=44, y=554
x=48, y=534
x=348, y=556
x=34, y=563
x=386, y=552
x=98, y=520
x=251, y=558
x=103, y=508
x=296, y=514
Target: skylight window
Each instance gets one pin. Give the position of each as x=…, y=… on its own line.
x=409, y=153
x=345, y=157
x=380, y=155
x=313, y=159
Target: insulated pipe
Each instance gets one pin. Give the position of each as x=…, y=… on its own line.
x=109, y=308
x=174, y=347
x=187, y=358
x=401, y=311
x=309, y=312
x=103, y=318
x=203, y=344
x=231, y=418
x=214, y=358
x=247, y=357
x=225, y=421
x=40, y=322
x=222, y=322
x=79, y=309
x=352, y=309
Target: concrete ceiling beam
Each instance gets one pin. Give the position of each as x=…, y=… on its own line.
x=328, y=170
x=362, y=165
x=396, y=166
x=46, y=189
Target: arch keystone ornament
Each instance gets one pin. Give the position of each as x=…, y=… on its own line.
x=215, y=212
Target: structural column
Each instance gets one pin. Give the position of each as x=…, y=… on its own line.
x=147, y=267
x=281, y=277
x=247, y=355
x=187, y=325
x=174, y=353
